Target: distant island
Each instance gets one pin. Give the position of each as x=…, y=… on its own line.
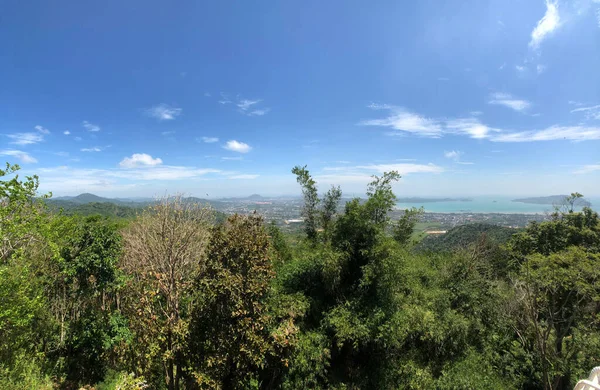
x=433, y=200
x=553, y=200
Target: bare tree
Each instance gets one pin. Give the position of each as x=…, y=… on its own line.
x=164, y=250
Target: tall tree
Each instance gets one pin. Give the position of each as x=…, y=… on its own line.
x=311, y=201
x=164, y=251
x=231, y=327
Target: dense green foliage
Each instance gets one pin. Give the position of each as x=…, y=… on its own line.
x=172, y=298
x=463, y=236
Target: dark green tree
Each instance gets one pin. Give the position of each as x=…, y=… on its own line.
x=311, y=201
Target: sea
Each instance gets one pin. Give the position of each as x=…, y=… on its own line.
x=490, y=204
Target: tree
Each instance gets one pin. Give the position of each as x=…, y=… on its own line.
x=403, y=229
x=330, y=205
x=311, y=201
x=164, y=251
x=231, y=325
x=557, y=288
x=85, y=284
x=24, y=315
x=381, y=197
x=21, y=211
x=559, y=295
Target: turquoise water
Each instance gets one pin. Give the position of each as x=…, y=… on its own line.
x=489, y=204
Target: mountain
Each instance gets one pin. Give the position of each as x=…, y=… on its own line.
x=553, y=200
x=84, y=198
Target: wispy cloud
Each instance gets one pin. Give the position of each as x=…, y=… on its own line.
x=66, y=132
x=592, y=112
x=164, y=112
x=42, y=129
x=541, y=68
x=241, y=177
x=170, y=132
x=93, y=149
x=90, y=126
x=401, y=119
x=140, y=160
x=469, y=126
x=402, y=169
x=453, y=155
x=505, y=99
x=62, y=154
x=260, y=112
x=224, y=99
x=23, y=157
x=207, y=94
x=77, y=139
x=588, y=169
x=465, y=163
x=245, y=104
x=236, y=146
x=208, y=140
x=570, y=133
x=549, y=23
x=520, y=68
x=25, y=138
x=232, y=158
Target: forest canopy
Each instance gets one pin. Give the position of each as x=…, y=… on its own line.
x=175, y=297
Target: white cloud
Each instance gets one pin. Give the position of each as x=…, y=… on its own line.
x=468, y=126
x=90, y=126
x=520, y=68
x=243, y=176
x=209, y=140
x=592, y=112
x=588, y=169
x=570, y=133
x=224, y=99
x=167, y=132
x=42, y=129
x=232, y=158
x=164, y=112
x=23, y=157
x=66, y=132
x=77, y=139
x=236, y=146
x=541, y=68
x=465, y=163
x=140, y=160
x=62, y=154
x=505, y=99
x=93, y=149
x=25, y=138
x=476, y=113
x=260, y=112
x=453, y=155
x=402, y=169
x=401, y=119
x=546, y=25
x=245, y=104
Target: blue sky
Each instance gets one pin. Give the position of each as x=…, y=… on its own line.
x=140, y=98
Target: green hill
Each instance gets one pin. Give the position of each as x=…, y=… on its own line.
x=463, y=236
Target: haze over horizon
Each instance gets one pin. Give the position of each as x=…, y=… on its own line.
x=136, y=99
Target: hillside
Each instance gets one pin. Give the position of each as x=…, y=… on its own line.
x=462, y=236
x=553, y=200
